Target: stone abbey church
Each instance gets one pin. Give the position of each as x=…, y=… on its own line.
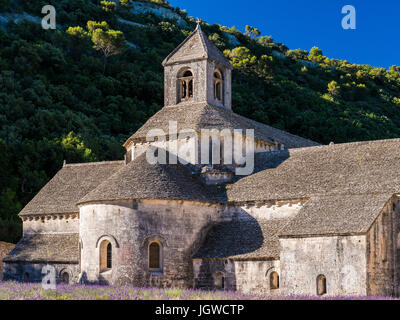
x=310, y=220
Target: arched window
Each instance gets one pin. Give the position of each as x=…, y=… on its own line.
x=218, y=86
x=321, y=285
x=109, y=256
x=155, y=264
x=105, y=256
x=274, y=280
x=80, y=256
x=65, y=278
x=185, y=84
x=219, y=281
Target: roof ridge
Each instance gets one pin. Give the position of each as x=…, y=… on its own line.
x=93, y=163
x=165, y=181
x=178, y=47
x=356, y=143
x=208, y=116
x=203, y=41
x=209, y=48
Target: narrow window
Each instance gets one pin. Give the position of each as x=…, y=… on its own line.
x=185, y=86
x=65, y=278
x=80, y=257
x=274, y=280
x=190, y=89
x=155, y=256
x=219, y=281
x=321, y=285
x=109, y=256
x=105, y=256
x=218, y=86
x=26, y=277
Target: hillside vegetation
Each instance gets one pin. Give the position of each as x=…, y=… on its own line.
x=62, y=97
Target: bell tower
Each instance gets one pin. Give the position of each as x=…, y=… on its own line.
x=196, y=72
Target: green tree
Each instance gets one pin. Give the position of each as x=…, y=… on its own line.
x=316, y=55
x=74, y=149
x=265, y=41
x=297, y=54
x=78, y=40
x=109, y=42
x=252, y=32
x=334, y=88
x=107, y=6
x=93, y=25
x=124, y=3
x=395, y=68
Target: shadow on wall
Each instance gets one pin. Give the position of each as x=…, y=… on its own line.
x=239, y=237
x=22, y=272
x=262, y=161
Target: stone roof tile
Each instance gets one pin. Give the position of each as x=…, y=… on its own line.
x=142, y=180
x=69, y=185
x=48, y=248
x=243, y=240
x=203, y=116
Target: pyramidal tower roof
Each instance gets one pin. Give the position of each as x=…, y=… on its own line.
x=197, y=46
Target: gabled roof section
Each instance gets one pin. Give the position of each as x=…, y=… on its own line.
x=69, y=185
x=336, y=215
x=360, y=168
x=142, y=180
x=348, y=185
x=47, y=248
x=196, y=47
x=243, y=240
x=197, y=117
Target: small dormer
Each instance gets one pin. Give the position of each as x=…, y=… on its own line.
x=196, y=72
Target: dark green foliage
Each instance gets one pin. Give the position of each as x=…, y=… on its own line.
x=56, y=104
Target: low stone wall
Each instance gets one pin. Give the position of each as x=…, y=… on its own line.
x=250, y=277
x=32, y=272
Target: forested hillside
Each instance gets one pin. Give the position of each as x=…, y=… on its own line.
x=64, y=96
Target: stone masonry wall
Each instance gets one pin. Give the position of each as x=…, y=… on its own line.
x=227, y=88
x=130, y=227
x=248, y=276
x=244, y=276
x=16, y=271
x=51, y=224
x=383, y=253
x=171, y=74
x=341, y=259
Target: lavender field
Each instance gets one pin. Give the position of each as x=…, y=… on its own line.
x=31, y=291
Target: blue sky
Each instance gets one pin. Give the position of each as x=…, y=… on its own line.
x=307, y=23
